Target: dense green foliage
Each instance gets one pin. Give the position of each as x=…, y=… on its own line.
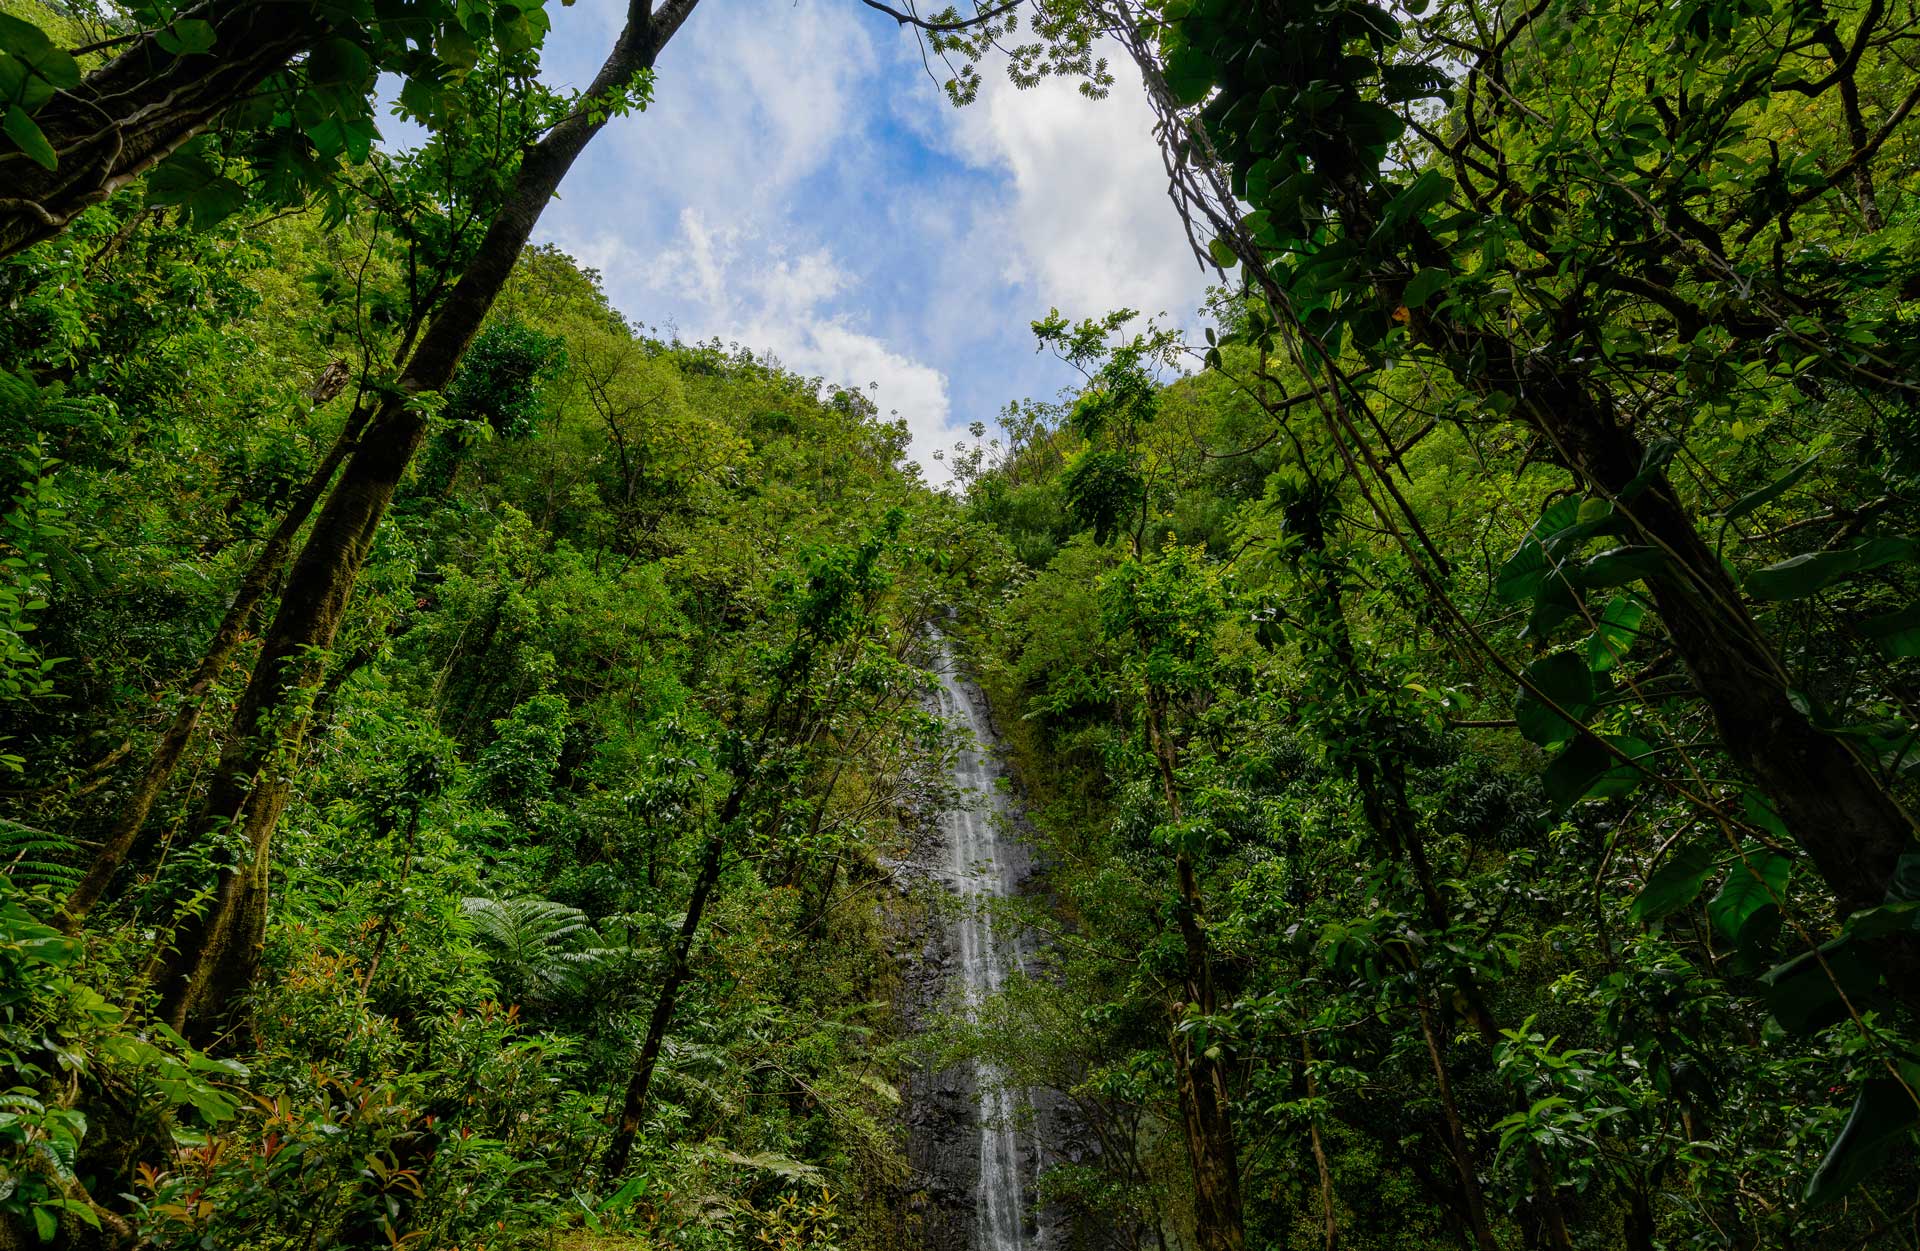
x=1535, y=538
x=555, y=671
x=452, y=741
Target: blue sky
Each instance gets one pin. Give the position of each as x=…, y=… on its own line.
x=801, y=186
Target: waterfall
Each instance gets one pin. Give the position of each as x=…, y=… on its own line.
x=981, y=865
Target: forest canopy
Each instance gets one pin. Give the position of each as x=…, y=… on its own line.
x=459, y=746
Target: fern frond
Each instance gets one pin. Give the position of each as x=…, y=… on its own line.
x=36, y=861
x=538, y=946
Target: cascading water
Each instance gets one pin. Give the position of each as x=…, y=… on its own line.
x=982, y=865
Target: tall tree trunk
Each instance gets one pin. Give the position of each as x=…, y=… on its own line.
x=136, y=109
x=1851, y=828
x=1329, y=1226
x=216, y=952
x=172, y=744
x=791, y=716
x=634, y=1103
x=1206, y=1103
x=383, y=928
x=1827, y=795
x=1457, y=1145
x=1380, y=773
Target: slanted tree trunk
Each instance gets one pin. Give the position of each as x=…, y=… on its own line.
x=1851, y=828
x=1828, y=797
x=136, y=109
x=1853, y=831
x=633, y=1104
x=1457, y=1145
x=216, y=952
x=1374, y=750
x=172, y=744
x=797, y=720
x=1330, y=1227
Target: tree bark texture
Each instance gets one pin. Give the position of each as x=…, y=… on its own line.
x=1462, y=1153
x=1852, y=830
x=136, y=109
x=633, y=1103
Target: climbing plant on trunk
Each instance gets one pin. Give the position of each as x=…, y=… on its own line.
x=1419, y=193
x=225, y=101
x=1168, y=609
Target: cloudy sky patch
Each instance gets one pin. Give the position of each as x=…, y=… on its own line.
x=800, y=186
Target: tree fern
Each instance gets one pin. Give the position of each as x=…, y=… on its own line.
x=543, y=952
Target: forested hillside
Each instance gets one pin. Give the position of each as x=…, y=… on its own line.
x=633, y=644
x=1472, y=714
x=465, y=754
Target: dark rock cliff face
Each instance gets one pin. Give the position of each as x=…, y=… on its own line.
x=974, y=1151
x=937, y=1107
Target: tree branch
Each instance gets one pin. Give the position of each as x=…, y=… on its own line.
x=942, y=28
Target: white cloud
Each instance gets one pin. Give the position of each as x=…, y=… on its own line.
x=1087, y=210
x=800, y=187
x=913, y=390
x=732, y=283
x=698, y=224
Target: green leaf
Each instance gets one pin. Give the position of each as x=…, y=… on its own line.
x=1760, y=811
x=1189, y=74
x=1653, y=462
x=632, y=1190
x=1553, y=603
x=1883, y=1114
x=1411, y=81
x=423, y=99
x=26, y=132
x=188, y=178
x=1375, y=22
x=1260, y=180
x=1618, y=630
x=45, y=1223
x=1424, y=286
x=1574, y=772
x=1622, y=778
x=85, y=1212
x=1674, y=884
x=1897, y=633
x=1801, y=995
x=1772, y=491
x=1370, y=124
x=1621, y=565
x=21, y=85
x=1223, y=253
x=1752, y=888
x=1524, y=571
x=338, y=62
x=457, y=48
x=187, y=37
x=1809, y=572
x=1562, y=679
x=1889, y=918
x=1427, y=190
x=1905, y=886
x=27, y=42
